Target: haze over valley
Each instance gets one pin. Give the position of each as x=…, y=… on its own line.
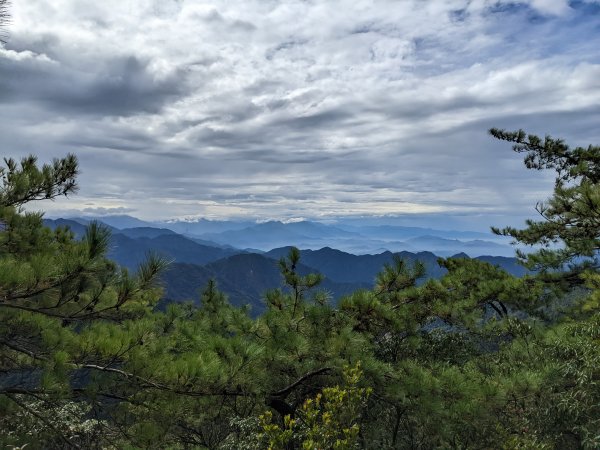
x=242, y=256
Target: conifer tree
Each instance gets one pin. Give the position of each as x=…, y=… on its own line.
x=569, y=231
x=466, y=361
x=557, y=406
x=60, y=301
x=4, y=18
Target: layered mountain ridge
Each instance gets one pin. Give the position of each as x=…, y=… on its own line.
x=368, y=239
x=246, y=274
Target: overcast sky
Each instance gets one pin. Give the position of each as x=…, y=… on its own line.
x=288, y=109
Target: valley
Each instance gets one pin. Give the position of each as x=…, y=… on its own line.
x=234, y=255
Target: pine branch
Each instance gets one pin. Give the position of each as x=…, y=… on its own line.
x=4, y=19
x=29, y=183
x=286, y=390
x=23, y=350
x=163, y=387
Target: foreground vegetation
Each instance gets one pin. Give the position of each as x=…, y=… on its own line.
x=478, y=359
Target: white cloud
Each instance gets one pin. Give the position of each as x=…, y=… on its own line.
x=285, y=109
x=554, y=7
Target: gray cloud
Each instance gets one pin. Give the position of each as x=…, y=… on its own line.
x=120, y=86
x=299, y=109
x=107, y=211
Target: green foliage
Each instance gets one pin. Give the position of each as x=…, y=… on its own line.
x=467, y=361
x=64, y=308
x=569, y=217
x=327, y=421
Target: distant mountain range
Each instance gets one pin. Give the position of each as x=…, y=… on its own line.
x=245, y=275
x=314, y=235
x=130, y=246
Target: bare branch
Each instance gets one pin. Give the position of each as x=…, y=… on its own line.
x=283, y=392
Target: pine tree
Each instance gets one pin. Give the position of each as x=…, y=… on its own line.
x=466, y=361
x=4, y=18
x=569, y=232
x=65, y=310
x=557, y=405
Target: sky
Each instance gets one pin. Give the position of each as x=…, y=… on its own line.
x=272, y=109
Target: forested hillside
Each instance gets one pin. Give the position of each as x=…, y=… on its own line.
x=254, y=273
x=475, y=358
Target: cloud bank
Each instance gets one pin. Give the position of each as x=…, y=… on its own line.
x=282, y=109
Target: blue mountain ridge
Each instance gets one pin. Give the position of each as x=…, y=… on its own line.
x=245, y=275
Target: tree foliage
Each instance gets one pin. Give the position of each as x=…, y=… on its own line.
x=329, y=420
x=65, y=310
x=4, y=18
x=476, y=359
x=569, y=229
